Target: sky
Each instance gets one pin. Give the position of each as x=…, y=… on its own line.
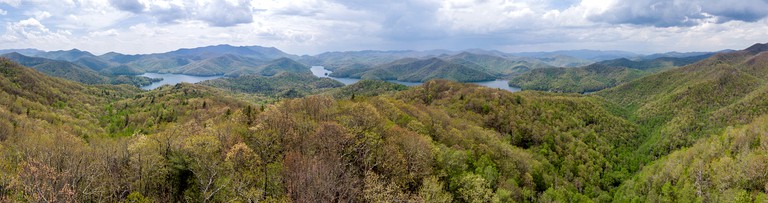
x=316, y=26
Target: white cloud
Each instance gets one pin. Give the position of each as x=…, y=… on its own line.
x=105, y=33
x=14, y=3
x=42, y=15
x=224, y=13
x=686, y=13
x=31, y=33
x=312, y=26
x=3, y=12
x=128, y=5
x=219, y=13
x=487, y=16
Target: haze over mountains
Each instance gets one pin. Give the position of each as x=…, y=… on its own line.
x=410, y=66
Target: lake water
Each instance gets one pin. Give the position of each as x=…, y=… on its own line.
x=172, y=79
x=501, y=84
x=320, y=71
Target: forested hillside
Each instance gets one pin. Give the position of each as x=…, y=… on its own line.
x=725, y=167
x=62, y=69
x=582, y=79
x=420, y=70
x=84, y=74
x=657, y=64
x=686, y=103
x=597, y=76
x=691, y=134
x=694, y=117
x=439, y=142
x=286, y=84
x=497, y=66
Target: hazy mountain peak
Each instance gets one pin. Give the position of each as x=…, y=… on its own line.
x=757, y=48
x=29, y=52
x=13, y=54
x=66, y=55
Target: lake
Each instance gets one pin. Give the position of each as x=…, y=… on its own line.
x=172, y=79
x=320, y=71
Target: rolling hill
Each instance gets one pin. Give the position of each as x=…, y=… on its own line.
x=705, y=123
x=26, y=52
x=497, y=66
x=65, y=55
x=584, y=54
x=201, y=61
x=284, y=84
x=564, y=61
x=219, y=65
x=582, y=79
x=256, y=52
x=71, y=71
x=597, y=76
x=420, y=70
x=366, y=88
x=656, y=64
x=94, y=63
x=443, y=139
x=684, y=104
x=62, y=69
x=336, y=60
x=274, y=67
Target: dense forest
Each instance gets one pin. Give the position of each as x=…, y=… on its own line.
x=89, y=72
x=419, y=70
x=597, y=76
x=689, y=134
x=582, y=79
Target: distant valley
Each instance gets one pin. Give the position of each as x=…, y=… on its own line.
x=561, y=71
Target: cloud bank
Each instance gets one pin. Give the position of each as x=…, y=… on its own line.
x=683, y=13
x=314, y=26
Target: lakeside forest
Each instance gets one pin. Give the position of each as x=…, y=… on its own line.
x=75, y=127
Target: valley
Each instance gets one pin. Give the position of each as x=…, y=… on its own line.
x=281, y=130
x=411, y=101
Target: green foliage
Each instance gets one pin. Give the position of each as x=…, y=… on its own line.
x=107, y=74
x=598, y=76
x=497, y=66
x=582, y=79
x=61, y=69
x=729, y=167
x=678, y=106
x=137, y=81
x=233, y=66
x=433, y=191
x=421, y=70
x=655, y=65
x=121, y=70
x=346, y=71
x=442, y=141
x=285, y=85
x=136, y=197
x=367, y=88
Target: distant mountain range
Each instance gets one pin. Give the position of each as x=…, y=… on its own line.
x=592, y=55
x=405, y=65
x=62, y=69
x=203, y=61
x=462, y=67
x=598, y=76
x=656, y=64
